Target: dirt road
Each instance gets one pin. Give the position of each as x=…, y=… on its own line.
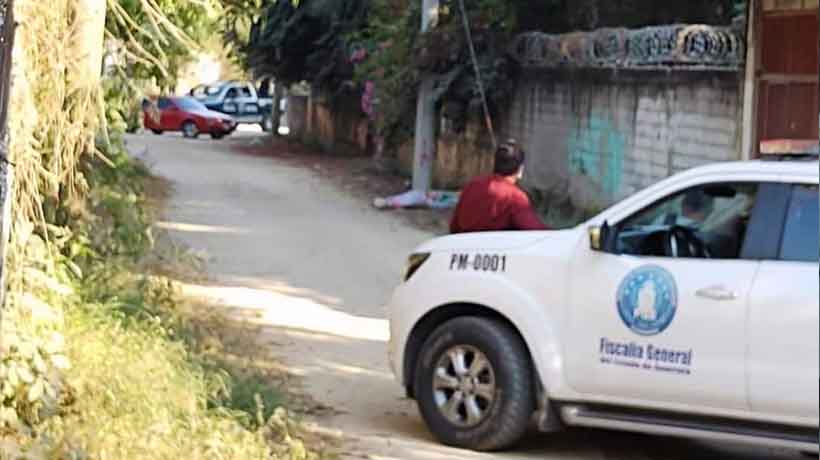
x=317, y=266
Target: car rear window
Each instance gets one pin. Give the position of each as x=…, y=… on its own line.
x=801, y=235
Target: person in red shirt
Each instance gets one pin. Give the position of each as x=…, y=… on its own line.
x=495, y=202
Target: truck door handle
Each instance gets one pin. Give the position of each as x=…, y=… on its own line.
x=716, y=293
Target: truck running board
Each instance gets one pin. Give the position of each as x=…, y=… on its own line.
x=681, y=425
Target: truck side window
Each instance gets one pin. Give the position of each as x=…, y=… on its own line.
x=801, y=237
x=708, y=221
x=264, y=88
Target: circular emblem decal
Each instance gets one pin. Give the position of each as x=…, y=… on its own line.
x=647, y=300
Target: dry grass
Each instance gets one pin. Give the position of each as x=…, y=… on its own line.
x=134, y=390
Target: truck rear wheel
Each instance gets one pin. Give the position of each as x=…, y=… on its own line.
x=267, y=123
x=474, y=384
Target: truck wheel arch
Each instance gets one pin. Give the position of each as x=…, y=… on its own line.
x=434, y=318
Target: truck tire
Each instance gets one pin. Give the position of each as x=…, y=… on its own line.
x=157, y=131
x=474, y=384
x=267, y=123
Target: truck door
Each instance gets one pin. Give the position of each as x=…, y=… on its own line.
x=661, y=316
x=248, y=105
x=784, y=336
x=230, y=103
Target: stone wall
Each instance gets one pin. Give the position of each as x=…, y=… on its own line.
x=297, y=109
x=338, y=128
x=459, y=156
x=594, y=137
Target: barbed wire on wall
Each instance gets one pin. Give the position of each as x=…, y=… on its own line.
x=671, y=46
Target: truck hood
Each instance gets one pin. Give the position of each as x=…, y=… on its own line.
x=495, y=241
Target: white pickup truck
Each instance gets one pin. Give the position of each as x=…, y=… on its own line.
x=688, y=309
x=241, y=100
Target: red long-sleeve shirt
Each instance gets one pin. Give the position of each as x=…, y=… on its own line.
x=494, y=203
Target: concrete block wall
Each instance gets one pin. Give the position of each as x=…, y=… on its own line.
x=297, y=117
x=459, y=156
x=595, y=137
x=340, y=129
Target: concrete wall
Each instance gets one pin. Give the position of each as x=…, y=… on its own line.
x=339, y=128
x=459, y=157
x=594, y=137
x=297, y=109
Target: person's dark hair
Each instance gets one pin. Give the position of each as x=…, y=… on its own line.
x=696, y=200
x=508, y=158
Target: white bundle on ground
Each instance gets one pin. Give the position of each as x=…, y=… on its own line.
x=416, y=198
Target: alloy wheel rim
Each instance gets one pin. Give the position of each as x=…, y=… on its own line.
x=464, y=387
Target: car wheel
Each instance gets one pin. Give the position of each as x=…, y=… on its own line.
x=267, y=124
x=190, y=130
x=217, y=136
x=156, y=131
x=474, y=384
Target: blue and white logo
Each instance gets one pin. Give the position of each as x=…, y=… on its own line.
x=647, y=300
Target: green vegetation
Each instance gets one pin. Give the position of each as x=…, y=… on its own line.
x=99, y=358
x=339, y=46
x=398, y=55
x=153, y=39
x=148, y=44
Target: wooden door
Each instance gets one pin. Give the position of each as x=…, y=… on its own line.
x=788, y=75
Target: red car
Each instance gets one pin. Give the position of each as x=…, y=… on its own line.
x=185, y=114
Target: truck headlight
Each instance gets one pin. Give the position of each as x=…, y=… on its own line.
x=414, y=262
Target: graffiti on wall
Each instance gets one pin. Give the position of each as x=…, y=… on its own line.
x=597, y=151
x=674, y=45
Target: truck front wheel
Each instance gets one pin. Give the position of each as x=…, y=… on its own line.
x=474, y=384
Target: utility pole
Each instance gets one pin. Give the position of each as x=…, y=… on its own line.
x=425, y=136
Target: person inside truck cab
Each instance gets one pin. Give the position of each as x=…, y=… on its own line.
x=695, y=208
x=707, y=222
x=495, y=202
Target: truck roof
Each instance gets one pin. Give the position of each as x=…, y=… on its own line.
x=788, y=165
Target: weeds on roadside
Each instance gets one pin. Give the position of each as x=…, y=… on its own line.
x=140, y=392
x=133, y=390
x=91, y=363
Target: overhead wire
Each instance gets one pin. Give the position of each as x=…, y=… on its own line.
x=487, y=118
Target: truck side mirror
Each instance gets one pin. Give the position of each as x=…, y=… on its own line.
x=595, y=238
x=600, y=238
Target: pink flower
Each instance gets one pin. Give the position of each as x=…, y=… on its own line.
x=367, y=98
x=358, y=56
